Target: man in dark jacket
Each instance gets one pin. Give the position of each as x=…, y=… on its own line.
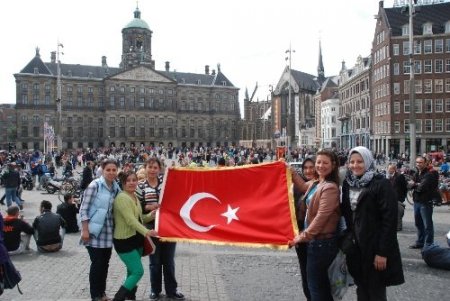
x=49, y=229
x=11, y=180
x=399, y=184
x=13, y=227
x=425, y=185
x=68, y=211
x=88, y=175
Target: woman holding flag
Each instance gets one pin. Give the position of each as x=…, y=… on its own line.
x=321, y=213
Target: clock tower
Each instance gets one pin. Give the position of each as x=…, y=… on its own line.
x=136, y=43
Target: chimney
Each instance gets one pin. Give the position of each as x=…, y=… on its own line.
x=167, y=66
x=207, y=69
x=53, y=57
x=213, y=72
x=104, y=64
x=343, y=66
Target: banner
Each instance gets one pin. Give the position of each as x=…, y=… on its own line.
x=248, y=205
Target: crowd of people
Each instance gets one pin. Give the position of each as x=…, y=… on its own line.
x=342, y=203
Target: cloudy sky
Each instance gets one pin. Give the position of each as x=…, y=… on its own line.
x=247, y=37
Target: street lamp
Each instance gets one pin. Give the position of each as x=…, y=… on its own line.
x=288, y=132
x=412, y=91
x=58, y=99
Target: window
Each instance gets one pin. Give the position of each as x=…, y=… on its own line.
x=447, y=85
x=396, y=88
x=417, y=67
x=24, y=99
x=427, y=66
x=418, y=105
x=396, y=126
x=112, y=132
x=428, y=46
x=427, y=85
x=447, y=105
x=406, y=67
x=427, y=28
x=439, y=46
x=406, y=48
x=447, y=45
x=447, y=124
x=417, y=47
x=405, y=30
x=406, y=106
x=428, y=105
x=418, y=86
x=428, y=125
x=406, y=126
x=112, y=101
x=396, y=107
x=438, y=85
x=447, y=27
x=122, y=101
x=438, y=125
x=406, y=87
x=439, y=66
x=396, y=49
x=447, y=65
x=396, y=68
x=439, y=105
x=418, y=125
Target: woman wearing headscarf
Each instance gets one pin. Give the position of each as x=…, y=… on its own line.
x=370, y=211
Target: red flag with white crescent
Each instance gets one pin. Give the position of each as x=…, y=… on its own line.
x=247, y=205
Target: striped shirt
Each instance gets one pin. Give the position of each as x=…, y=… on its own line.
x=148, y=194
x=105, y=238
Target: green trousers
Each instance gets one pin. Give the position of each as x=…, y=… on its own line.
x=135, y=270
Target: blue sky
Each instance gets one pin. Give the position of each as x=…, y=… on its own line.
x=247, y=37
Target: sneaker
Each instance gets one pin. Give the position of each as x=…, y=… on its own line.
x=154, y=296
x=416, y=246
x=176, y=296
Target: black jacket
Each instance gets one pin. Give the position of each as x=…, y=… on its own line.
x=86, y=177
x=69, y=214
x=11, y=178
x=374, y=225
x=426, y=186
x=47, y=227
x=400, y=186
x=12, y=228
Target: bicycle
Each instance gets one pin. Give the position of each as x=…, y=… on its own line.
x=69, y=186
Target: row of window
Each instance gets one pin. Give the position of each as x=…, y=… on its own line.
x=355, y=105
x=354, y=89
x=425, y=86
x=426, y=105
x=425, y=125
x=425, y=46
x=427, y=28
x=439, y=66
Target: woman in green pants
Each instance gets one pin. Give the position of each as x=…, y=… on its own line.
x=129, y=234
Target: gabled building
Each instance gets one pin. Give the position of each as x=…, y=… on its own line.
x=130, y=105
x=391, y=72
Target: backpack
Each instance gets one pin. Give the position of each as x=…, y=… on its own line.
x=9, y=277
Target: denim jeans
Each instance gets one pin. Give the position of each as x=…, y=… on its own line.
x=99, y=270
x=163, y=262
x=423, y=217
x=321, y=254
x=11, y=195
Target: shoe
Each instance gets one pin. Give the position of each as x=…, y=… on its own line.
x=21, y=207
x=121, y=294
x=176, y=296
x=154, y=296
x=416, y=246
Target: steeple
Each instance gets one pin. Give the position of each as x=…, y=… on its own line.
x=320, y=69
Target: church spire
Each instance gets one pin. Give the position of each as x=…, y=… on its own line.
x=320, y=69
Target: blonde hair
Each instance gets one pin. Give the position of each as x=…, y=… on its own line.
x=141, y=175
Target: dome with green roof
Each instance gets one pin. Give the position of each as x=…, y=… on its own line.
x=137, y=22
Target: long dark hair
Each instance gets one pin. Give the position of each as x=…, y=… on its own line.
x=334, y=175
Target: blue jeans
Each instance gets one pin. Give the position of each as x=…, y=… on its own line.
x=163, y=262
x=99, y=270
x=321, y=254
x=11, y=195
x=423, y=217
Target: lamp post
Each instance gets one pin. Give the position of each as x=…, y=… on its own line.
x=412, y=92
x=288, y=116
x=58, y=127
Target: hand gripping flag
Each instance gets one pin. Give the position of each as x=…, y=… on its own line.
x=246, y=206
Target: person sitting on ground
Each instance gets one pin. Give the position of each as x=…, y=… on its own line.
x=436, y=256
x=49, y=229
x=13, y=227
x=68, y=211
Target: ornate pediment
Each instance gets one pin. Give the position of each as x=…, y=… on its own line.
x=143, y=74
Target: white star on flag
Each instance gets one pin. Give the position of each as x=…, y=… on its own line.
x=230, y=214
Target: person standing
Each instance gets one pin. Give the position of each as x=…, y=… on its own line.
x=399, y=185
x=321, y=214
x=308, y=174
x=369, y=207
x=129, y=234
x=163, y=260
x=11, y=180
x=97, y=226
x=88, y=175
x=49, y=229
x=425, y=184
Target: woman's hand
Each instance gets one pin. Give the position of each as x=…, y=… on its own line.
x=151, y=233
x=380, y=263
x=153, y=213
x=85, y=235
x=295, y=241
x=151, y=207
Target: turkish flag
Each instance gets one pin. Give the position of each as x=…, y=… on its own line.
x=247, y=205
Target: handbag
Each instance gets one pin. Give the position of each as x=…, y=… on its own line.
x=149, y=246
x=9, y=276
x=339, y=277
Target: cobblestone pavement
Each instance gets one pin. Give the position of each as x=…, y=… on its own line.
x=206, y=272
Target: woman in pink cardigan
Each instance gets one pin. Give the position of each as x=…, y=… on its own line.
x=321, y=212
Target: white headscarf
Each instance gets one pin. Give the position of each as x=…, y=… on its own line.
x=369, y=167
